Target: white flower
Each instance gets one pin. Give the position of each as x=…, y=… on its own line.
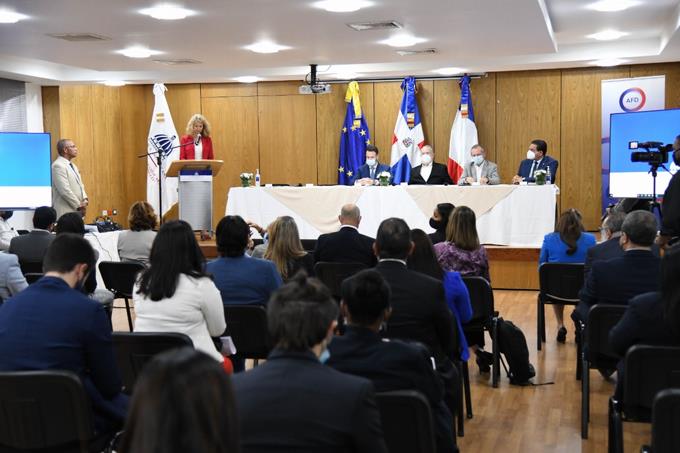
x=246, y=176
x=384, y=174
x=542, y=172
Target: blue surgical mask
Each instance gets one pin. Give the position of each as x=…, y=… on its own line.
x=325, y=355
x=478, y=160
x=370, y=162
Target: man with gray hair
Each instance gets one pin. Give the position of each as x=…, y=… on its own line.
x=609, y=247
x=346, y=245
x=618, y=280
x=429, y=172
x=479, y=170
x=68, y=189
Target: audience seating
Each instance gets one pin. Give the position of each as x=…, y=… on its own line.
x=32, y=277
x=134, y=349
x=648, y=370
x=665, y=423
x=44, y=410
x=595, y=352
x=333, y=274
x=119, y=278
x=247, y=327
x=308, y=245
x=559, y=283
x=406, y=421
x=30, y=267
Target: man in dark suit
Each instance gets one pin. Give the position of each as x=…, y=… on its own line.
x=346, y=245
x=30, y=248
x=429, y=171
x=609, y=248
x=52, y=326
x=537, y=159
x=390, y=365
x=295, y=403
x=419, y=310
x=367, y=174
x=618, y=280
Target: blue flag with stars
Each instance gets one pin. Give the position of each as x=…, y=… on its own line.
x=353, y=138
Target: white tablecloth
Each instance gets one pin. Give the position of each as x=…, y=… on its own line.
x=506, y=215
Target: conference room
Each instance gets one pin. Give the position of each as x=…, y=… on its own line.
x=521, y=155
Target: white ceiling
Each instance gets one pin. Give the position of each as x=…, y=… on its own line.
x=478, y=35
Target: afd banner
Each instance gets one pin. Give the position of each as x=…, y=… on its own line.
x=626, y=95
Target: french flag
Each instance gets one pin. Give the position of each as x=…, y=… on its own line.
x=408, y=135
x=463, y=132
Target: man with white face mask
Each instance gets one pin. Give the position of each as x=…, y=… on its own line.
x=368, y=174
x=537, y=159
x=479, y=169
x=429, y=171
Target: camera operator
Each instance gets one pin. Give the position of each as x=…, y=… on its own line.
x=670, y=208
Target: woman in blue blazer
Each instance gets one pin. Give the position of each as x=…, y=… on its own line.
x=568, y=244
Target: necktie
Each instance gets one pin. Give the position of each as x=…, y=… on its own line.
x=531, y=173
x=74, y=171
x=373, y=173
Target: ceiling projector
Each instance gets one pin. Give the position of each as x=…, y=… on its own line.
x=313, y=86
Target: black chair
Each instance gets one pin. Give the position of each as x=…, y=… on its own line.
x=119, y=278
x=44, y=410
x=32, y=277
x=406, y=422
x=30, y=267
x=648, y=370
x=665, y=423
x=247, y=327
x=333, y=274
x=596, y=353
x=134, y=349
x=559, y=283
x=308, y=244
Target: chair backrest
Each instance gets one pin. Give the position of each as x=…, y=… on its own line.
x=134, y=349
x=481, y=297
x=601, y=319
x=32, y=277
x=649, y=369
x=308, y=244
x=31, y=267
x=560, y=282
x=665, y=422
x=406, y=422
x=247, y=327
x=119, y=277
x=333, y=274
x=43, y=409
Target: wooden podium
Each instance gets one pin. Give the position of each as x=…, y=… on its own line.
x=195, y=190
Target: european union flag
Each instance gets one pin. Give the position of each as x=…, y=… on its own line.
x=353, y=138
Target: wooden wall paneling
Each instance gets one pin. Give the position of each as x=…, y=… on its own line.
x=425, y=96
x=286, y=88
x=184, y=100
x=484, y=103
x=672, y=73
x=236, y=142
x=51, y=117
x=446, y=102
x=287, y=137
x=214, y=90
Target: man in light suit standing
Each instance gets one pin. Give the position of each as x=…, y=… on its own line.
x=68, y=190
x=479, y=169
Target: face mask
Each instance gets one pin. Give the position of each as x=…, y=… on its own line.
x=436, y=224
x=478, y=160
x=426, y=159
x=604, y=236
x=325, y=355
x=531, y=155
x=370, y=162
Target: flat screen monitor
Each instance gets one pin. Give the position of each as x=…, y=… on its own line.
x=629, y=179
x=25, y=174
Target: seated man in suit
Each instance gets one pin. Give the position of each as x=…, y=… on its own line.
x=609, y=248
x=367, y=174
x=479, y=169
x=390, y=365
x=429, y=171
x=419, y=310
x=346, y=245
x=30, y=248
x=618, y=280
x=293, y=402
x=12, y=281
x=52, y=326
x=537, y=159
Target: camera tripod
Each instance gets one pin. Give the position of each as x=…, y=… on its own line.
x=655, y=206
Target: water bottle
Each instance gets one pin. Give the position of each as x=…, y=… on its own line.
x=548, y=176
x=257, y=177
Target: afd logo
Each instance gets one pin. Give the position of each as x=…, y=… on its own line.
x=163, y=143
x=632, y=100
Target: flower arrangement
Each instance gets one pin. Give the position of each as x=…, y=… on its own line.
x=539, y=175
x=246, y=179
x=384, y=178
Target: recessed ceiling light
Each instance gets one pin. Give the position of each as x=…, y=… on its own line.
x=138, y=52
x=11, y=17
x=247, y=79
x=449, y=71
x=403, y=41
x=607, y=35
x=608, y=62
x=266, y=47
x=114, y=83
x=165, y=11
x=609, y=6
x=342, y=6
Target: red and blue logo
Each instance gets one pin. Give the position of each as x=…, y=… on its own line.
x=632, y=100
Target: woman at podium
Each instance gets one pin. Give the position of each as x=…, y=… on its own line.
x=196, y=144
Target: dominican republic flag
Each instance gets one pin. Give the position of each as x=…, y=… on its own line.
x=354, y=137
x=162, y=138
x=463, y=132
x=408, y=135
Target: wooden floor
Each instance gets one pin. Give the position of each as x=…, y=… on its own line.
x=532, y=419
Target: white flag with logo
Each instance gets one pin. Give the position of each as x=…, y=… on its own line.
x=162, y=138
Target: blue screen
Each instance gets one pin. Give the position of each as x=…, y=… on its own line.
x=25, y=170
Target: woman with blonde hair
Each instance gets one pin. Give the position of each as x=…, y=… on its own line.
x=135, y=244
x=285, y=250
x=196, y=144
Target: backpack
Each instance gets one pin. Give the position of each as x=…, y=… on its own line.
x=513, y=345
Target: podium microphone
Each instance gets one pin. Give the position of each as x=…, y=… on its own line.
x=198, y=140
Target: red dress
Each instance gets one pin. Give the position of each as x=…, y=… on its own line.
x=186, y=151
